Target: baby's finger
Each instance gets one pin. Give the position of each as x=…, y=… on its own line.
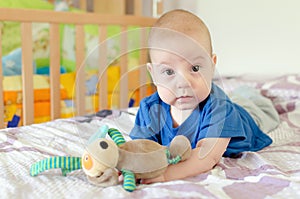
x=121, y=178
x=145, y=181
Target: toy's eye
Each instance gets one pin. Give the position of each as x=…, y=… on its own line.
x=87, y=162
x=103, y=145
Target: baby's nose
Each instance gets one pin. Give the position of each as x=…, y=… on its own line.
x=182, y=81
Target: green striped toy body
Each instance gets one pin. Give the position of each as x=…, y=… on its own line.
x=116, y=136
x=129, y=180
x=66, y=164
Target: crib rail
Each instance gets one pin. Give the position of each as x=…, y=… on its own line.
x=26, y=17
x=1, y=86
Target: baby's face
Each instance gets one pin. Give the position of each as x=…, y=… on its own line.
x=182, y=81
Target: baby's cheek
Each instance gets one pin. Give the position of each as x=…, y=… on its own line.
x=202, y=90
x=166, y=94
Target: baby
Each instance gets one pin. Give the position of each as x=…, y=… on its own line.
x=188, y=103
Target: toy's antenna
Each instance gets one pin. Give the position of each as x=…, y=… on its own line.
x=101, y=133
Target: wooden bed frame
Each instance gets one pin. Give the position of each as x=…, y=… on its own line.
x=26, y=17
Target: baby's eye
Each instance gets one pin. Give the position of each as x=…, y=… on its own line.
x=195, y=68
x=169, y=72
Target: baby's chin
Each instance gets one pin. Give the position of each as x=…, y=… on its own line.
x=185, y=106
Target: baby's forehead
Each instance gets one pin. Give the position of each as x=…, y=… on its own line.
x=179, y=43
x=188, y=55
x=179, y=51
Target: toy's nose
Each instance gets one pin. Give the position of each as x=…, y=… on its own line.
x=87, y=162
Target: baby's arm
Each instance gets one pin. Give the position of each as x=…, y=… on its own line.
x=204, y=157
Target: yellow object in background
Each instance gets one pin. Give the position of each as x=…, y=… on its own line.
x=67, y=81
x=12, y=86
x=9, y=112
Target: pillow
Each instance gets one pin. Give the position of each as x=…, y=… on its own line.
x=12, y=63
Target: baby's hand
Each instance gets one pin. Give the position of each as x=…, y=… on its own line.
x=160, y=178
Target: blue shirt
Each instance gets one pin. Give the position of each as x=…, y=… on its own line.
x=215, y=117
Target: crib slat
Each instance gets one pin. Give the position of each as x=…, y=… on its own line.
x=1, y=85
x=138, y=7
x=102, y=87
x=83, y=5
x=27, y=73
x=143, y=60
x=80, y=74
x=54, y=71
x=123, y=69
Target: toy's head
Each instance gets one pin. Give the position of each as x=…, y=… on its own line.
x=100, y=155
x=100, y=159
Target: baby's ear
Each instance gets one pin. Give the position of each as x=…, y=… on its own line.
x=150, y=69
x=214, y=59
x=214, y=62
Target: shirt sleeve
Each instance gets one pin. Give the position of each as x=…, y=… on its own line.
x=149, y=120
x=223, y=120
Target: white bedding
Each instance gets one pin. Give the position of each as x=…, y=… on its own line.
x=273, y=172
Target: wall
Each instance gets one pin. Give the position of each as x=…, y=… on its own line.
x=258, y=36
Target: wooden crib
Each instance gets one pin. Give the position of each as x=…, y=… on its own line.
x=26, y=17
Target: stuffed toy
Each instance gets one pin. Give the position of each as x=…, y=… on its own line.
x=104, y=158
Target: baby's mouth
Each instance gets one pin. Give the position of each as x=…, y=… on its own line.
x=184, y=98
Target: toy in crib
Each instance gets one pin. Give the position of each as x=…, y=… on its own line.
x=103, y=158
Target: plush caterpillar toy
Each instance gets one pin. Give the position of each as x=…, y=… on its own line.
x=103, y=158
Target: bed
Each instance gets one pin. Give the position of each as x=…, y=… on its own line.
x=273, y=172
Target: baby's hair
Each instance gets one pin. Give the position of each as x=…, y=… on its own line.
x=184, y=22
